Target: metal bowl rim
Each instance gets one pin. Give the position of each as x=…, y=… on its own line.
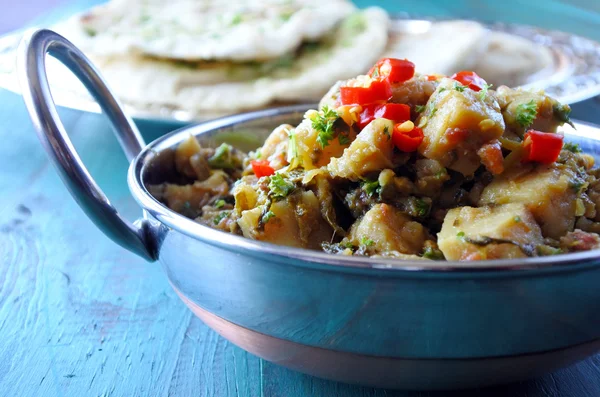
x=233, y=242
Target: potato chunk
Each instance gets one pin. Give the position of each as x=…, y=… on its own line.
x=276, y=146
x=384, y=229
x=372, y=150
x=311, y=154
x=294, y=222
x=547, y=191
x=184, y=152
x=504, y=231
x=457, y=124
x=181, y=197
x=547, y=110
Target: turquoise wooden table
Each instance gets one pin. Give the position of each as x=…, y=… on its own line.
x=80, y=316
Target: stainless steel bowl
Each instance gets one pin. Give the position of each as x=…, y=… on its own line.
x=380, y=322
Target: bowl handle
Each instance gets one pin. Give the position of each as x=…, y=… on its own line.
x=42, y=110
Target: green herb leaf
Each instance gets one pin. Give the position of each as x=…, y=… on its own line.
x=422, y=207
x=420, y=108
x=546, y=250
x=460, y=235
x=386, y=131
x=526, y=113
x=236, y=19
x=367, y=242
x=562, y=113
x=441, y=90
x=90, y=31
x=433, y=254
x=222, y=158
x=484, y=91
x=371, y=187
x=432, y=109
x=517, y=219
x=343, y=139
x=279, y=187
x=219, y=204
x=572, y=147
x=286, y=15
x=323, y=124
x=459, y=87
x=293, y=158
x=267, y=216
x=222, y=215
x=577, y=185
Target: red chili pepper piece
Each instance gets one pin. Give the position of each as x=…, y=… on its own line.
x=393, y=69
x=262, y=168
x=469, y=79
x=392, y=111
x=542, y=147
x=431, y=77
x=378, y=91
x=407, y=141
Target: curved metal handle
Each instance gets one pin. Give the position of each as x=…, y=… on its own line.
x=42, y=110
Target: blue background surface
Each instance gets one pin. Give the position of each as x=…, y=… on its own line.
x=81, y=317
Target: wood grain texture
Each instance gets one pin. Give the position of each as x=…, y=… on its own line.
x=80, y=316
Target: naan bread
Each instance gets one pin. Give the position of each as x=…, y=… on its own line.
x=445, y=48
x=512, y=60
x=240, y=30
x=349, y=50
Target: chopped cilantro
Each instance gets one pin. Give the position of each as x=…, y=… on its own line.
x=258, y=154
x=279, y=187
x=219, y=203
x=386, y=131
x=517, y=219
x=572, y=147
x=367, y=242
x=577, y=185
x=236, y=19
x=343, y=139
x=432, y=109
x=545, y=250
x=420, y=108
x=460, y=235
x=267, y=216
x=433, y=253
x=459, y=87
x=323, y=123
x=526, y=113
x=441, y=174
x=223, y=157
x=90, y=31
x=422, y=207
x=292, y=154
x=286, y=15
x=222, y=215
x=442, y=90
x=371, y=187
x=484, y=91
x=562, y=113
x=356, y=22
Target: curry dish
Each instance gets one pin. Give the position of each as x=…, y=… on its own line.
x=396, y=164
